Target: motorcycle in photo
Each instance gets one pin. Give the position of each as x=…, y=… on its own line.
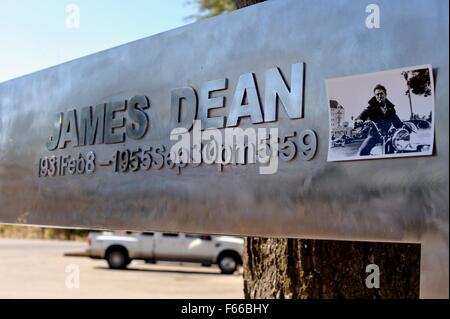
x=406, y=139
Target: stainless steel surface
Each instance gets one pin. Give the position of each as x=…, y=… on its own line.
x=384, y=199
x=391, y=199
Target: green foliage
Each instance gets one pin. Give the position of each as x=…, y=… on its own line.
x=211, y=8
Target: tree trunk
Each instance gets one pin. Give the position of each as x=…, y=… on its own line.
x=295, y=268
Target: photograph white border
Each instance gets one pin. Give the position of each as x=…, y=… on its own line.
x=429, y=152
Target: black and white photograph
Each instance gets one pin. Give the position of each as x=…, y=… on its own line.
x=381, y=115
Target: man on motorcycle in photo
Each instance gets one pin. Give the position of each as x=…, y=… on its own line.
x=384, y=120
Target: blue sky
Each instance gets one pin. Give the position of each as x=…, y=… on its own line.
x=38, y=34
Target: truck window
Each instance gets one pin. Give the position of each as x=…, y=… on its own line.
x=170, y=235
x=202, y=237
x=192, y=236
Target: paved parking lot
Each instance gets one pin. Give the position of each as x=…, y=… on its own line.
x=38, y=269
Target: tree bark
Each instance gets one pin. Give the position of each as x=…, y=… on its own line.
x=295, y=268
x=300, y=269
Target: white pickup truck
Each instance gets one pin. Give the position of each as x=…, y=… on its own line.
x=119, y=249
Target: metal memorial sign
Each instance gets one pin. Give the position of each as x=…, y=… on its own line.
x=248, y=123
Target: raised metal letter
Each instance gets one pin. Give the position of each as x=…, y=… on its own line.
x=136, y=106
x=183, y=109
x=207, y=103
x=277, y=90
x=245, y=90
x=114, y=122
x=69, y=129
x=92, y=124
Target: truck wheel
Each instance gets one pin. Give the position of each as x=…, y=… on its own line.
x=228, y=264
x=118, y=259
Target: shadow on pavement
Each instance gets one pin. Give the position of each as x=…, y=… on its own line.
x=187, y=272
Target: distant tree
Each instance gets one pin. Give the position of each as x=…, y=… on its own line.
x=419, y=82
x=211, y=8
